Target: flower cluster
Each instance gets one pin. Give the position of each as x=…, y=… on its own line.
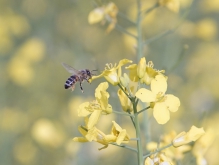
x=104, y=13
x=161, y=103
x=117, y=135
x=94, y=110
x=180, y=145
x=144, y=83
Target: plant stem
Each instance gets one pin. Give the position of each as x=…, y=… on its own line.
x=120, y=28
x=143, y=110
x=120, y=86
x=138, y=131
x=139, y=31
x=125, y=114
x=124, y=146
x=132, y=118
x=151, y=9
x=139, y=56
x=158, y=150
x=122, y=15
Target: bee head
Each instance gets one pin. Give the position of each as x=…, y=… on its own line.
x=88, y=72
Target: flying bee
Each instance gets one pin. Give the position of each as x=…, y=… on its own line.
x=77, y=76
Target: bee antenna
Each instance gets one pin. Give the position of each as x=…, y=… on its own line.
x=93, y=73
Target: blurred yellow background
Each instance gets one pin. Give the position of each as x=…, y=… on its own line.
x=38, y=117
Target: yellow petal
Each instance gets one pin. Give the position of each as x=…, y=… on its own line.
x=192, y=135
x=125, y=80
x=133, y=72
x=161, y=113
x=121, y=137
x=82, y=130
x=123, y=62
x=111, y=8
x=110, y=138
x=102, y=87
x=94, y=117
x=112, y=77
x=195, y=133
x=149, y=161
x=83, y=109
x=116, y=128
x=108, y=110
x=92, y=134
x=111, y=26
x=103, y=101
x=124, y=100
x=172, y=5
x=80, y=139
x=179, y=139
x=159, y=84
x=145, y=95
x=96, y=15
x=172, y=102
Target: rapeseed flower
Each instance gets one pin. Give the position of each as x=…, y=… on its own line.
x=159, y=102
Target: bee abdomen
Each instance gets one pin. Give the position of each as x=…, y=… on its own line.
x=69, y=82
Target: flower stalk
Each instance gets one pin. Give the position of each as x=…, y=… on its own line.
x=138, y=132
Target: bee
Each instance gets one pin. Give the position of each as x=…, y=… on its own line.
x=77, y=76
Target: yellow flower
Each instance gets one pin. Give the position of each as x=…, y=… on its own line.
x=150, y=73
x=124, y=80
x=202, y=145
x=97, y=107
x=133, y=72
x=112, y=73
x=172, y=5
x=187, y=137
x=136, y=72
x=104, y=13
x=124, y=100
x=93, y=134
x=160, y=102
x=170, y=152
x=118, y=135
x=158, y=159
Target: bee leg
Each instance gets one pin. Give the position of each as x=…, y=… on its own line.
x=81, y=87
x=88, y=81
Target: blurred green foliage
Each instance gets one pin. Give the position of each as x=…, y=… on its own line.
x=38, y=117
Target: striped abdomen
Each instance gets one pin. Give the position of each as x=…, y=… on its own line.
x=71, y=81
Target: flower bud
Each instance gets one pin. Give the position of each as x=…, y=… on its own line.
x=187, y=137
x=141, y=67
x=124, y=80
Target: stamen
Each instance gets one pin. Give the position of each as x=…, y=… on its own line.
x=150, y=64
x=109, y=66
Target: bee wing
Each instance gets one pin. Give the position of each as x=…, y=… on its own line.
x=70, y=69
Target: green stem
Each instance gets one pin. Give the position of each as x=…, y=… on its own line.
x=120, y=86
x=152, y=8
x=138, y=131
x=143, y=110
x=158, y=150
x=125, y=114
x=132, y=118
x=158, y=36
x=139, y=56
x=120, y=28
x=139, y=31
x=167, y=32
x=122, y=15
x=124, y=146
